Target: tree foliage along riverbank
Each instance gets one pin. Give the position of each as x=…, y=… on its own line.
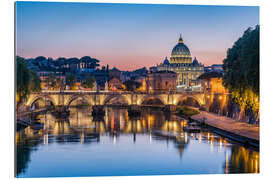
x=186, y=111
x=88, y=82
x=71, y=80
x=241, y=70
x=131, y=85
x=26, y=80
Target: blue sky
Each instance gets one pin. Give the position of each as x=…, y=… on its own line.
x=129, y=36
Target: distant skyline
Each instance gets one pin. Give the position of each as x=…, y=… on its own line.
x=129, y=36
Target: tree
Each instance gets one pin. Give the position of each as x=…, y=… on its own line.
x=71, y=80
x=73, y=63
x=26, y=81
x=241, y=70
x=40, y=58
x=88, y=82
x=60, y=63
x=131, y=85
x=34, y=82
x=89, y=62
x=22, y=80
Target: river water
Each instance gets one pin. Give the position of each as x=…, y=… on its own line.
x=116, y=145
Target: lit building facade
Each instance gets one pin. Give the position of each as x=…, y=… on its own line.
x=115, y=84
x=162, y=81
x=181, y=63
x=211, y=82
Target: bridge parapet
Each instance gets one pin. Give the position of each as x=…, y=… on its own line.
x=64, y=98
x=114, y=92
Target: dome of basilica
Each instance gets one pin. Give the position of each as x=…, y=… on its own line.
x=180, y=53
x=180, y=49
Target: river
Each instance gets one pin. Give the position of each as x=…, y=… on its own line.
x=117, y=145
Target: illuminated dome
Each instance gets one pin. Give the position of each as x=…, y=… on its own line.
x=166, y=61
x=195, y=62
x=180, y=53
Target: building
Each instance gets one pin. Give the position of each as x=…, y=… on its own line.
x=207, y=69
x=115, y=73
x=214, y=68
x=162, y=81
x=217, y=68
x=115, y=84
x=181, y=63
x=124, y=76
x=101, y=77
x=211, y=82
x=136, y=75
x=139, y=79
x=153, y=69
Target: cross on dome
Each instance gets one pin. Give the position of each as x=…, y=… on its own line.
x=180, y=39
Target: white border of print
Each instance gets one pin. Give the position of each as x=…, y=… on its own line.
x=7, y=88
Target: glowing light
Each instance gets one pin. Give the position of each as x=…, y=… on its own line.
x=256, y=166
x=82, y=138
x=17, y=137
x=211, y=145
x=151, y=120
x=226, y=163
x=185, y=137
x=200, y=138
x=45, y=139
x=220, y=143
x=114, y=139
x=182, y=134
x=174, y=125
x=208, y=137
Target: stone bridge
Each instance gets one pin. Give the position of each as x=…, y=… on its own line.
x=92, y=98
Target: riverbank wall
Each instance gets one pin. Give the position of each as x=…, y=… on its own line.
x=241, y=132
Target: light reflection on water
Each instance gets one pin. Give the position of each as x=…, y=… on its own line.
x=120, y=145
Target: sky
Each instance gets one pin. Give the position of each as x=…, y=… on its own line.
x=129, y=36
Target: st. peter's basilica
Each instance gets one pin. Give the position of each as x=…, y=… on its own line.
x=181, y=63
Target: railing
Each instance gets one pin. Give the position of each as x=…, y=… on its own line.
x=117, y=92
x=25, y=113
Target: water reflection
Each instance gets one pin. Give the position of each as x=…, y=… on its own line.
x=25, y=145
x=154, y=127
x=243, y=160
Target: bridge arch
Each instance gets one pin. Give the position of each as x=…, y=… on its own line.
x=43, y=98
x=84, y=98
x=115, y=99
x=152, y=99
x=190, y=100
